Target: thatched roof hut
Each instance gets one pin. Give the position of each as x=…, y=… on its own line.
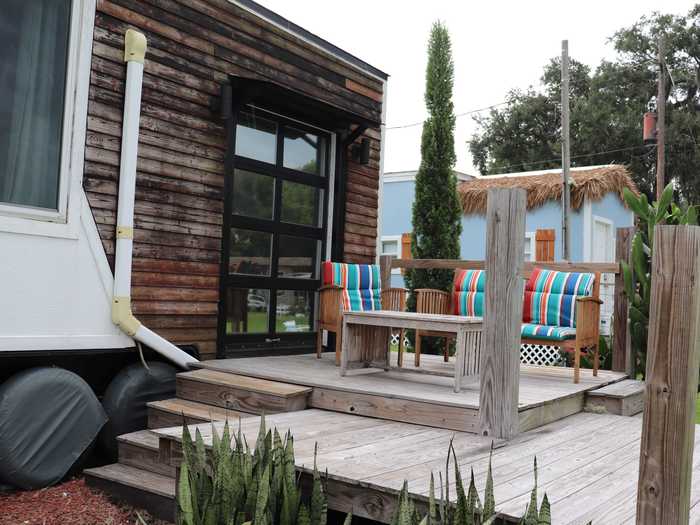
x=589, y=182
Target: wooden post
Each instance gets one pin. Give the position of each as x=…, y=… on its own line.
x=405, y=248
x=385, y=270
x=500, y=354
x=673, y=357
x=623, y=358
x=544, y=245
x=565, y=152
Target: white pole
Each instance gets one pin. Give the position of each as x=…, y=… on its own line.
x=134, y=54
x=565, y=152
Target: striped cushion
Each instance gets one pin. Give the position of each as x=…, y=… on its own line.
x=551, y=333
x=468, y=292
x=550, y=297
x=360, y=282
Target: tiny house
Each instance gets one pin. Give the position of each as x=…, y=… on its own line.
x=597, y=210
x=253, y=150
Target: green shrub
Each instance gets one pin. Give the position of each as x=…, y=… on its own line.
x=637, y=276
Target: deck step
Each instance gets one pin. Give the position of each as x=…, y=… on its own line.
x=169, y=413
x=140, y=450
x=624, y=398
x=237, y=392
x=137, y=487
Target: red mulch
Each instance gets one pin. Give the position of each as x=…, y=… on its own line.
x=68, y=503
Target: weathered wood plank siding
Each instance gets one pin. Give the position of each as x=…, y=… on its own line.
x=193, y=45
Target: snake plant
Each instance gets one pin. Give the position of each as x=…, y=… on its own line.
x=234, y=485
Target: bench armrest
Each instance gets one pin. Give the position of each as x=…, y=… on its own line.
x=330, y=287
x=588, y=299
x=588, y=319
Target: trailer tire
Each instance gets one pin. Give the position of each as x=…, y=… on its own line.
x=49, y=419
x=126, y=397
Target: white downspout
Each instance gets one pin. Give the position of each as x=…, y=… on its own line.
x=134, y=53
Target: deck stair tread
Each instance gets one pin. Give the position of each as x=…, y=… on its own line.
x=135, y=478
x=624, y=388
x=251, y=384
x=625, y=398
x=141, y=438
x=195, y=410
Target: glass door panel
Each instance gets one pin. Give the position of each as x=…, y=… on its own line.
x=274, y=234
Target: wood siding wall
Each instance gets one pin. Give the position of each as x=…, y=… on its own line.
x=193, y=45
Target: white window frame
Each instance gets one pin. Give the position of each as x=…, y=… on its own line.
x=63, y=222
x=397, y=240
x=530, y=239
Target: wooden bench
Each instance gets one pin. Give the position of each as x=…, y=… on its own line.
x=366, y=339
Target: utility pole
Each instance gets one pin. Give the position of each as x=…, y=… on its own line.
x=661, y=123
x=565, y=152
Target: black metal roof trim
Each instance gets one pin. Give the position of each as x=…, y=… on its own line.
x=307, y=35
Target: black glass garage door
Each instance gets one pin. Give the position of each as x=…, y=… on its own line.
x=274, y=233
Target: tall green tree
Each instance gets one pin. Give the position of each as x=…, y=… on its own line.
x=607, y=105
x=436, y=209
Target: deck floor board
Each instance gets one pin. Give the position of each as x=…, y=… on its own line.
x=587, y=463
x=538, y=384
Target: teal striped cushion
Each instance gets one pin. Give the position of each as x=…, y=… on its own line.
x=551, y=333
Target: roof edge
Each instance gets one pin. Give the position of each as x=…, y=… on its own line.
x=298, y=31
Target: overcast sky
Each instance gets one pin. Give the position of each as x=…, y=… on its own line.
x=496, y=46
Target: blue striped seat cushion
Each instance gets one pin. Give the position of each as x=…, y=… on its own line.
x=546, y=332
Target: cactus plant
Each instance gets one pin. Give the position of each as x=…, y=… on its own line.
x=637, y=275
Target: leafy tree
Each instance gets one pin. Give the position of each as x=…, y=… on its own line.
x=436, y=209
x=606, y=110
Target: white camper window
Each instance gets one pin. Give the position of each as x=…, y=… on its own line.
x=35, y=42
x=530, y=250
x=391, y=245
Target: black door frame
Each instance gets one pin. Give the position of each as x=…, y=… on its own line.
x=270, y=342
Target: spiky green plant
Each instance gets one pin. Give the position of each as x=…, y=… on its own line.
x=234, y=485
x=637, y=275
x=467, y=509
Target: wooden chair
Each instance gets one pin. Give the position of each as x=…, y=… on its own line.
x=431, y=302
x=353, y=287
x=587, y=331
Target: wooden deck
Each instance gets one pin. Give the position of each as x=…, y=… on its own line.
x=546, y=393
x=588, y=463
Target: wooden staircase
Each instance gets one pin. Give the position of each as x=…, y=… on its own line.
x=624, y=398
x=140, y=478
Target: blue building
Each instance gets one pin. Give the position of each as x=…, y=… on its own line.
x=597, y=210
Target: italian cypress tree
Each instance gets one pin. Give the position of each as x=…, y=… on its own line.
x=436, y=208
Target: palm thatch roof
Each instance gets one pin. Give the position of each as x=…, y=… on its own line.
x=589, y=182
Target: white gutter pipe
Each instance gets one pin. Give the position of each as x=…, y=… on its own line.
x=134, y=53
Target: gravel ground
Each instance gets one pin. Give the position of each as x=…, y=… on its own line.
x=71, y=503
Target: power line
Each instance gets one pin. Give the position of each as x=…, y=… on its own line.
x=464, y=114
x=595, y=154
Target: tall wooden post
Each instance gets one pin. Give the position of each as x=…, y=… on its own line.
x=385, y=270
x=500, y=350
x=673, y=357
x=623, y=357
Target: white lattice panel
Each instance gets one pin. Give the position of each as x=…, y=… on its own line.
x=540, y=355
x=395, y=338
